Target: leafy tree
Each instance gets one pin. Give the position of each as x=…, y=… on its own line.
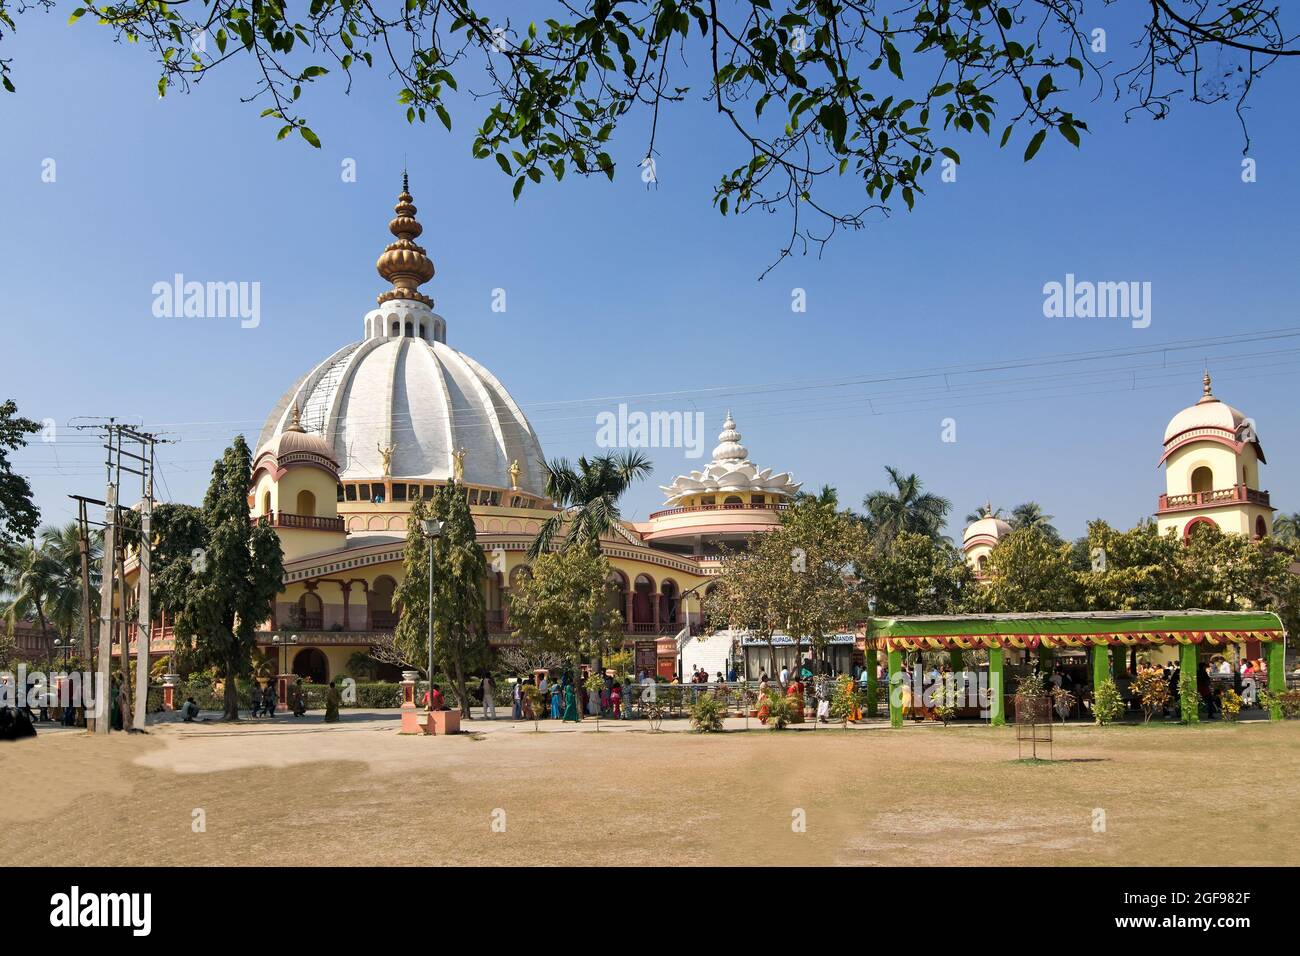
x=917, y=575
x=750, y=590
x=222, y=593
x=561, y=606
x=18, y=515
x=1286, y=527
x=180, y=546
x=1220, y=571
x=588, y=498
x=1129, y=570
x=812, y=92
x=1027, y=571
x=460, y=640
x=905, y=507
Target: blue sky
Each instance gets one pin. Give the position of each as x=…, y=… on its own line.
x=616, y=290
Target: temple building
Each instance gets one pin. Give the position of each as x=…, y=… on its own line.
x=981, y=537
x=387, y=419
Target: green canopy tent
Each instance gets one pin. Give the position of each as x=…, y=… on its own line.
x=1095, y=631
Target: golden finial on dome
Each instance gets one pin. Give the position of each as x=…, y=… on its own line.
x=295, y=420
x=403, y=263
x=1206, y=394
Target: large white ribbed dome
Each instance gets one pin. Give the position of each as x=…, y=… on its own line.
x=424, y=399
x=403, y=391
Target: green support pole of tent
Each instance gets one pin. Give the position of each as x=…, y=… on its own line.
x=895, y=691
x=957, y=661
x=1187, y=667
x=873, y=682
x=1276, y=676
x=1046, y=657
x=1118, y=664
x=997, y=714
x=1100, y=668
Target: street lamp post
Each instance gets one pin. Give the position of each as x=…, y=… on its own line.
x=432, y=528
x=284, y=658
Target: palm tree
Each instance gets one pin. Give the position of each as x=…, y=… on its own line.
x=62, y=545
x=30, y=580
x=587, y=496
x=1286, y=528
x=1030, y=515
x=905, y=507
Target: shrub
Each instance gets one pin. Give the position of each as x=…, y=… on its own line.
x=1062, y=702
x=845, y=699
x=1288, y=701
x=1108, y=705
x=1152, y=691
x=706, y=714
x=1230, y=701
x=781, y=710
x=1187, y=692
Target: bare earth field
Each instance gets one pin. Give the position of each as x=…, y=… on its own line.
x=298, y=791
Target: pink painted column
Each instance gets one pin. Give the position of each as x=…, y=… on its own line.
x=410, y=718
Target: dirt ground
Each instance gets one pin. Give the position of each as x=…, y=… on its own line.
x=299, y=791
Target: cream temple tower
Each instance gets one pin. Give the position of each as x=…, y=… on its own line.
x=1211, y=459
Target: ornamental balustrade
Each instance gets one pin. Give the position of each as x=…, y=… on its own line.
x=1235, y=494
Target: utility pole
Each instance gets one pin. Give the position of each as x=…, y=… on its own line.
x=83, y=541
x=141, y=464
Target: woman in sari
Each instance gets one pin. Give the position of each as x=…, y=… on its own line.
x=332, y=701
x=570, y=704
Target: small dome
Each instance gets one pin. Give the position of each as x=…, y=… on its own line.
x=986, y=527
x=1211, y=419
x=296, y=441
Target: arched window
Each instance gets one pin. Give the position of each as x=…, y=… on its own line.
x=380, y=603
x=669, y=602
x=1197, y=524
x=306, y=503
x=421, y=330
x=1261, y=527
x=980, y=562
x=410, y=330
x=311, y=612
x=1202, y=480
x=732, y=500
x=266, y=503
x=397, y=327
x=643, y=600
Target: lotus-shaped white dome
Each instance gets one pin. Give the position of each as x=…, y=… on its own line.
x=730, y=472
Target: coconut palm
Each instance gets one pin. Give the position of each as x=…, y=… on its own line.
x=1030, y=515
x=1286, y=527
x=63, y=605
x=31, y=578
x=587, y=496
x=905, y=507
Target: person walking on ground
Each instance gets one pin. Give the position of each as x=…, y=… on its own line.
x=269, y=700
x=489, y=704
x=332, y=701
x=516, y=696
x=255, y=701
x=570, y=704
